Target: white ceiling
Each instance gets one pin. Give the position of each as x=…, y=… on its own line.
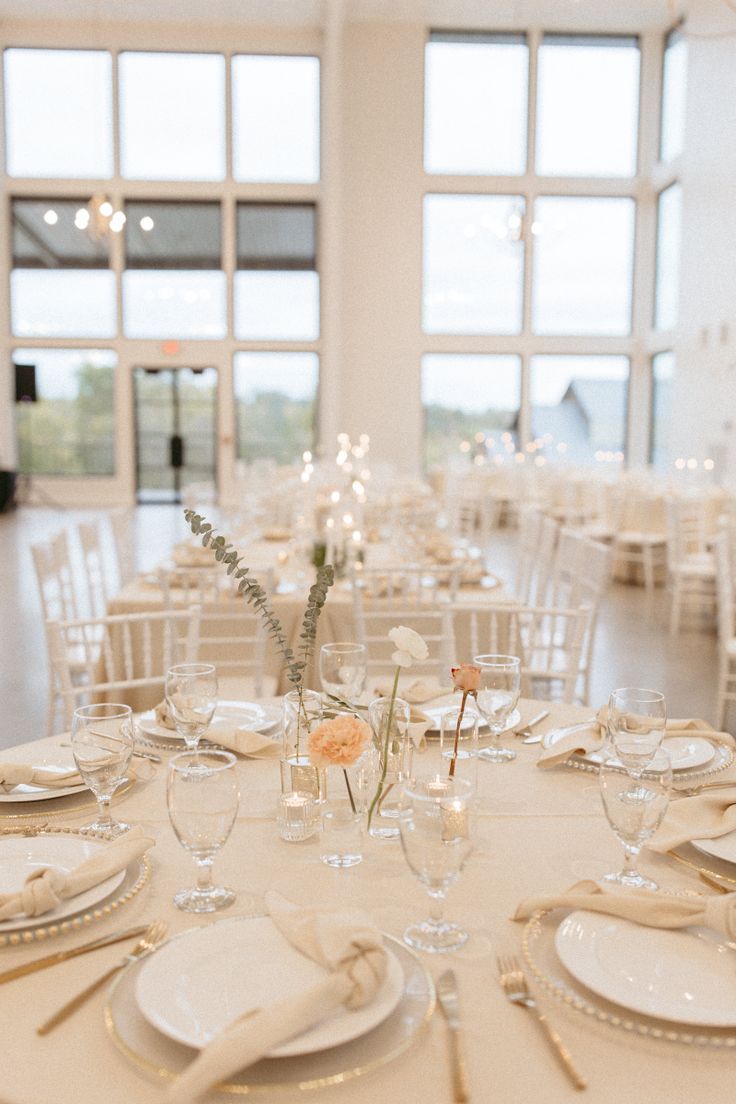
x=508, y=14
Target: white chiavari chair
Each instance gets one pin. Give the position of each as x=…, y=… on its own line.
x=725, y=555
x=122, y=528
x=691, y=567
x=96, y=578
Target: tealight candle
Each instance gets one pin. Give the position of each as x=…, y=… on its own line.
x=296, y=816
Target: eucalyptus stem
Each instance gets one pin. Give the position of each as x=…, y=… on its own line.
x=379, y=790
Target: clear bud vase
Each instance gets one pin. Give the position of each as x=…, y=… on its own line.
x=390, y=724
x=302, y=711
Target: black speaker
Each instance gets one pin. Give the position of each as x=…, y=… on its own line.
x=25, y=383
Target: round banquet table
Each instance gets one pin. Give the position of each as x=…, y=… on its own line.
x=537, y=833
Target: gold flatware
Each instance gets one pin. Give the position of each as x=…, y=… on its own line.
x=525, y=733
x=515, y=986
x=154, y=935
x=72, y=952
x=702, y=870
x=693, y=791
x=447, y=995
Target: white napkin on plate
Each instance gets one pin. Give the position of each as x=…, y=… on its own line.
x=47, y=886
x=243, y=741
x=416, y=693
x=345, y=942
x=23, y=774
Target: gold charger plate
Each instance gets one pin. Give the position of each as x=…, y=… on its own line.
x=136, y=876
x=161, y=1059
x=60, y=806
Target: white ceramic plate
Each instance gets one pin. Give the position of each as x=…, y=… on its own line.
x=201, y=981
x=672, y=975
x=452, y=701
x=245, y=714
x=722, y=848
x=686, y=752
x=43, y=793
x=21, y=855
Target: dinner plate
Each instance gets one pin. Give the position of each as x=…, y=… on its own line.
x=43, y=793
x=21, y=855
x=201, y=981
x=672, y=975
x=258, y=718
x=722, y=848
x=686, y=752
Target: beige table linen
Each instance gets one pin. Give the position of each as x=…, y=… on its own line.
x=537, y=831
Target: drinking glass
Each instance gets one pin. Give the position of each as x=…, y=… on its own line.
x=102, y=745
x=202, y=796
x=341, y=844
x=459, y=741
x=500, y=685
x=636, y=725
x=191, y=695
x=635, y=803
x=342, y=669
x=436, y=825
x=390, y=724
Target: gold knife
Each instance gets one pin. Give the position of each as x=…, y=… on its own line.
x=62, y=956
x=448, y=998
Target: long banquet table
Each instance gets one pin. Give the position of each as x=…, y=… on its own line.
x=538, y=833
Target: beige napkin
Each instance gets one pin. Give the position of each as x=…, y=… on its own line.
x=163, y=715
x=346, y=943
x=243, y=741
x=593, y=737
x=654, y=910
x=22, y=774
x=706, y=816
x=417, y=692
x=47, y=886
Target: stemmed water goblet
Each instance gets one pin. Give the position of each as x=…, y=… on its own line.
x=342, y=670
x=191, y=695
x=436, y=824
x=498, y=695
x=635, y=802
x=102, y=742
x=202, y=795
x=636, y=725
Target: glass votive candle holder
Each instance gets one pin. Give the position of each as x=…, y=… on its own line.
x=459, y=740
x=296, y=817
x=341, y=844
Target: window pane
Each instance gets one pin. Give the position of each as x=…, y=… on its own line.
x=663, y=372
x=667, y=292
x=276, y=235
x=172, y=116
x=70, y=429
x=581, y=402
x=172, y=235
x=468, y=395
x=58, y=113
x=674, y=88
x=583, y=258
x=475, y=104
x=587, y=106
x=174, y=304
x=277, y=306
x=275, y=400
x=56, y=233
x=63, y=303
x=276, y=118
x=473, y=264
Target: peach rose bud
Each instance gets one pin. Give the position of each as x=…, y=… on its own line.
x=466, y=677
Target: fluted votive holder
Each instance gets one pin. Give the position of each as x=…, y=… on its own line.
x=296, y=816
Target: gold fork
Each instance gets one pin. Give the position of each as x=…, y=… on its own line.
x=515, y=986
x=153, y=936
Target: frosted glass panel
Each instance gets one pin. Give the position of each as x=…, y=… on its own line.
x=174, y=304
x=63, y=303
x=276, y=118
x=277, y=306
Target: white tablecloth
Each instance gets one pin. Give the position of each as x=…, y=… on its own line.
x=538, y=833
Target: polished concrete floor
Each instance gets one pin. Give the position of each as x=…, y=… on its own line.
x=633, y=647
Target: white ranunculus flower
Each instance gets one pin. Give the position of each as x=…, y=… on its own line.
x=409, y=646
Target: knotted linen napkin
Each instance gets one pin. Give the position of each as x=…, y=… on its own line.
x=416, y=693
x=345, y=942
x=653, y=910
x=242, y=741
x=705, y=816
x=23, y=774
x=593, y=737
x=48, y=886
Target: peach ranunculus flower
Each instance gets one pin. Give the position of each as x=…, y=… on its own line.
x=466, y=677
x=338, y=742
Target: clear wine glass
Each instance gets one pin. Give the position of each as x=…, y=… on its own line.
x=636, y=725
x=102, y=745
x=436, y=825
x=342, y=670
x=500, y=686
x=635, y=803
x=202, y=795
x=191, y=695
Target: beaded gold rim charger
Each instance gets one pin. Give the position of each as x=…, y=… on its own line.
x=60, y=806
x=136, y=876
x=161, y=1059
x=548, y=974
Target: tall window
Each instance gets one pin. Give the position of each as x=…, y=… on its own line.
x=667, y=288
x=275, y=403
x=540, y=280
x=663, y=372
x=674, y=88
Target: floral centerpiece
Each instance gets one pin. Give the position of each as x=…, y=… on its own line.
x=339, y=742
